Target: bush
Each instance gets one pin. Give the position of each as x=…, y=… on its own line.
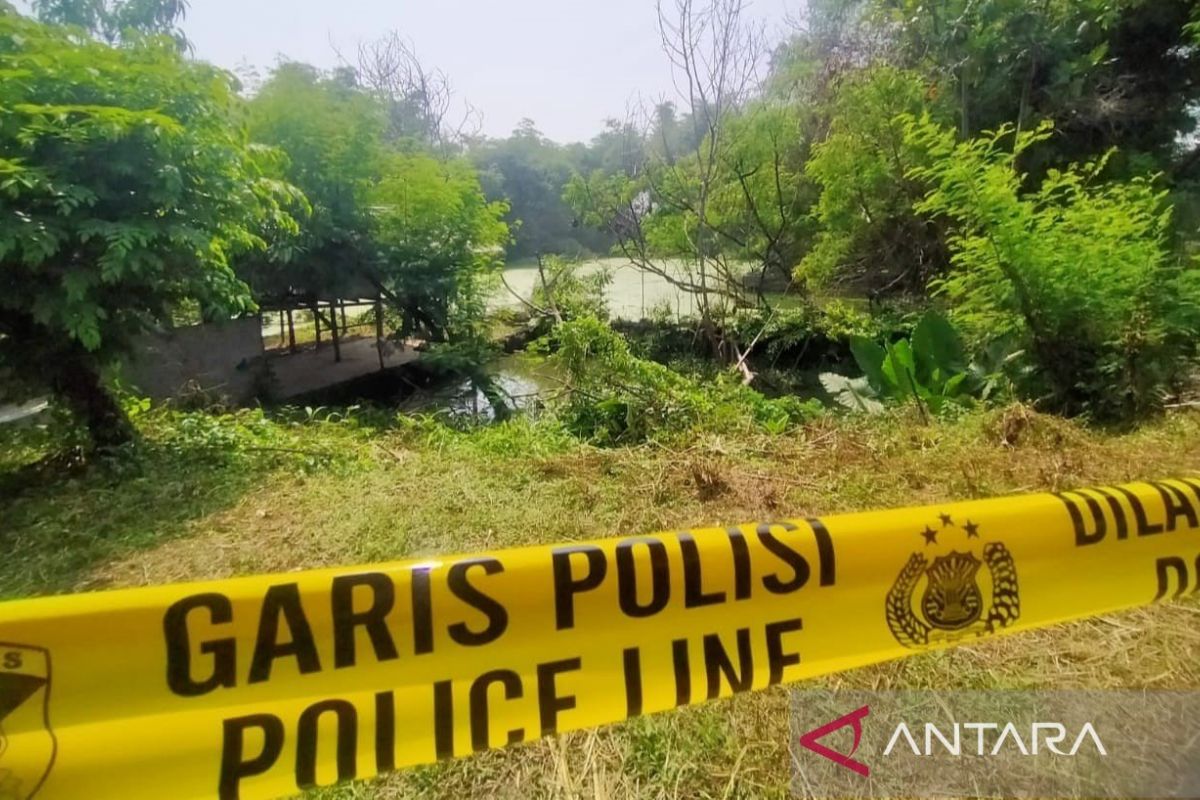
x=615, y=398
x=1077, y=273
x=782, y=329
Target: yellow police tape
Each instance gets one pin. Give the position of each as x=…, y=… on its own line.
x=258, y=687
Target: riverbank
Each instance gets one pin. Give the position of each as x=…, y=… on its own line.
x=210, y=496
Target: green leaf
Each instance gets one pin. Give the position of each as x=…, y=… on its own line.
x=870, y=357
x=936, y=345
x=899, y=369
x=853, y=393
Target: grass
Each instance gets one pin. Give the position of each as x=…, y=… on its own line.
x=213, y=496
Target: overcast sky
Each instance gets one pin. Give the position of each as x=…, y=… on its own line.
x=566, y=64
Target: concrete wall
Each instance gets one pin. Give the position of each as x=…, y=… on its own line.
x=222, y=359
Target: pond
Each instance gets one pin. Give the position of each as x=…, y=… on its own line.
x=633, y=294
x=524, y=379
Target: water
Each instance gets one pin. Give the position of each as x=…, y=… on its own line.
x=523, y=379
x=633, y=294
x=527, y=380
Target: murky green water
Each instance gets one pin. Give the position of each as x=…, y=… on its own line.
x=633, y=293
x=525, y=381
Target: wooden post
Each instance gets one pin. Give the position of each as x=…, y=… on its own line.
x=282, y=333
x=316, y=312
x=291, y=331
x=345, y=329
x=379, y=328
x=333, y=329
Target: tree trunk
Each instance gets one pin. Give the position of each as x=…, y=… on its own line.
x=77, y=381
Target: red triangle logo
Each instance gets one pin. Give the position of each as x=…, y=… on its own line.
x=853, y=719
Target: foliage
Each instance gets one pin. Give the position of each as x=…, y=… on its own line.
x=615, y=398
x=810, y=326
x=722, y=227
x=116, y=20
x=996, y=60
x=440, y=241
x=467, y=357
x=754, y=200
x=387, y=215
x=1077, y=271
x=127, y=187
x=728, y=205
x=1096, y=68
x=567, y=293
x=331, y=134
x=528, y=171
x=869, y=236
x=930, y=369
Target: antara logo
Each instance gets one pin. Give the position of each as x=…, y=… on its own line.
x=987, y=738
x=854, y=720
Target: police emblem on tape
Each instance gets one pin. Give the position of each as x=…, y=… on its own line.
x=949, y=594
x=27, y=744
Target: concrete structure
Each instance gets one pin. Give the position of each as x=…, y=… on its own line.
x=310, y=369
x=227, y=361
x=219, y=359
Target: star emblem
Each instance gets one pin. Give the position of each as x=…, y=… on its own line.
x=930, y=535
x=972, y=530
x=946, y=520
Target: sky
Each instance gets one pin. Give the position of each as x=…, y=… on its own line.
x=566, y=64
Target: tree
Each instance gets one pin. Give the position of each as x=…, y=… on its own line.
x=112, y=20
x=1097, y=69
x=1107, y=73
x=439, y=240
x=528, y=171
x=417, y=98
x=127, y=187
x=696, y=216
x=869, y=236
x=396, y=213
x=331, y=133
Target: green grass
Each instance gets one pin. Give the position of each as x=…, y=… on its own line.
x=208, y=496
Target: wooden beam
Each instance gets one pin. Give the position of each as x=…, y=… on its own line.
x=379, y=328
x=333, y=329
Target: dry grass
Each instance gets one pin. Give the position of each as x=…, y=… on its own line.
x=401, y=494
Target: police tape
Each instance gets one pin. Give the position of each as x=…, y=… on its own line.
x=260, y=687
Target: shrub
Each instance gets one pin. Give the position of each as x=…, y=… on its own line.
x=1077, y=272
x=614, y=397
